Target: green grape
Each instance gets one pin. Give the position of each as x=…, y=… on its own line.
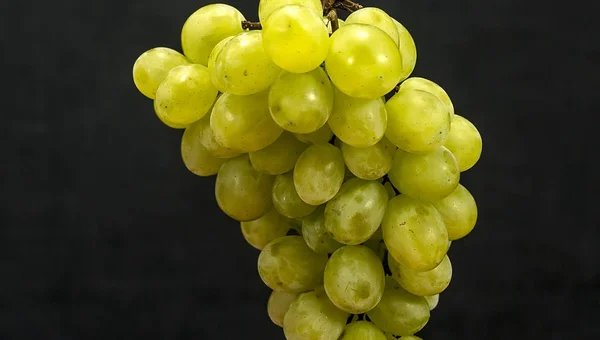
x=288, y=264
x=319, y=173
x=372, y=162
x=363, y=61
x=315, y=234
x=171, y=124
x=278, y=305
x=243, y=123
x=400, y=312
x=279, y=157
x=417, y=83
x=418, y=122
x=410, y=337
x=212, y=60
x=425, y=283
x=313, y=317
x=151, y=68
x=357, y=121
x=390, y=189
x=185, y=95
x=414, y=233
x=195, y=157
x=408, y=50
x=243, y=193
x=241, y=66
x=348, y=175
x=354, y=279
x=207, y=138
x=362, y=330
x=433, y=301
x=376, y=244
x=459, y=212
x=356, y=212
x=322, y=136
x=295, y=38
x=262, y=231
x=206, y=27
x=286, y=199
x=375, y=17
x=329, y=26
x=464, y=141
x=429, y=177
x=266, y=7
x=301, y=103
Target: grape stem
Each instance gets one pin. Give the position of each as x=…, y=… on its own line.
x=333, y=19
x=347, y=5
x=250, y=25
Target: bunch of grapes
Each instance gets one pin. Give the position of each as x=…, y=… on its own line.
x=342, y=170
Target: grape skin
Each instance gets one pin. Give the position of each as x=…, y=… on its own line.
x=280, y=156
x=459, y=212
x=260, y=232
x=322, y=136
x=425, y=283
x=207, y=139
x=315, y=234
x=319, y=173
x=418, y=83
x=266, y=7
x=196, y=158
x=278, y=305
x=408, y=50
x=377, y=18
x=286, y=199
x=362, y=330
x=151, y=68
x=371, y=162
x=464, y=141
x=433, y=301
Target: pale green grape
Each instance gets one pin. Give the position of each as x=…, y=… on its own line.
x=363, y=61
x=362, y=330
x=207, y=138
x=375, y=17
x=279, y=157
x=319, y=173
x=206, y=27
x=459, y=212
x=315, y=234
x=266, y=7
x=410, y=337
x=418, y=121
x=329, y=26
x=464, y=141
x=278, y=304
x=295, y=38
x=429, y=177
x=313, y=317
x=171, y=124
x=151, y=68
x=433, y=301
x=417, y=83
x=425, y=283
x=322, y=136
x=195, y=157
x=288, y=264
x=408, y=50
x=354, y=279
x=262, y=231
x=371, y=162
x=185, y=95
x=390, y=189
x=357, y=121
x=212, y=60
x=286, y=199
x=414, y=233
x=376, y=244
x=243, y=123
x=400, y=312
x=301, y=103
x=243, y=193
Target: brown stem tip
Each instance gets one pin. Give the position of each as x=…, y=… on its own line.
x=250, y=25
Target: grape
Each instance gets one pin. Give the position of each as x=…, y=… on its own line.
x=206, y=27
x=243, y=123
x=319, y=173
x=363, y=61
x=418, y=122
x=400, y=312
x=414, y=233
x=375, y=17
x=207, y=139
x=260, y=232
x=315, y=233
x=212, y=60
x=301, y=103
x=464, y=141
x=243, y=193
x=408, y=50
x=410, y=337
x=426, y=283
x=278, y=305
x=322, y=136
x=185, y=95
x=295, y=38
x=354, y=279
x=151, y=68
x=171, y=124
x=433, y=301
x=429, y=177
x=376, y=244
x=362, y=330
x=329, y=26
x=266, y=7
x=459, y=212
x=358, y=122
x=371, y=162
x=286, y=199
x=390, y=189
x=279, y=157
x=417, y=83
x=288, y=264
x=195, y=157
x=242, y=66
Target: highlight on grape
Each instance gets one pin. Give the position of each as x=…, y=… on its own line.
x=341, y=168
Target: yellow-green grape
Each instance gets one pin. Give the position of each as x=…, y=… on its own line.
x=313, y=316
x=400, y=312
x=354, y=279
x=417, y=83
x=207, y=138
x=362, y=330
x=430, y=177
x=414, y=233
x=206, y=27
x=295, y=38
x=410, y=337
x=459, y=212
x=329, y=26
x=262, y=231
x=322, y=136
x=151, y=68
x=278, y=304
x=357, y=121
x=242, y=66
x=372, y=162
x=266, y=7
x=212, y=61
x=363, y=61
x=356, y=212
x=301, y=103
x=433, y=301
x=408, y=50
x=243, y=193
x=171, y=124
x=319, y=173
x=196, y=158
x=243, y=123
x=418, y=121
x=286, y=199
x=315, y=234
x=376, y=244
x=464, y=141
x=390, y=189
x=280, y=156
x=425, y=283
x=375, y=17
x=287, y=264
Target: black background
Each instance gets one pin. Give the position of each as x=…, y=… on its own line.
x=106, y=235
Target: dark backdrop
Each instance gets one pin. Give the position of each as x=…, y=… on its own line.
x=106, y=235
